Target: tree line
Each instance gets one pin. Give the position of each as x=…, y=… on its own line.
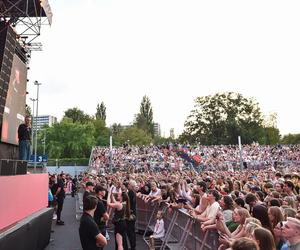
x=78, y=132
x=215, y=119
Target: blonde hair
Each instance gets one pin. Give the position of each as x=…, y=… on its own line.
x=250, y=227
x=251, y=224
x=252, y=220
x=244, y=213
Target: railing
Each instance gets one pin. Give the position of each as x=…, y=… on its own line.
x=181, y=230
x=79, y=204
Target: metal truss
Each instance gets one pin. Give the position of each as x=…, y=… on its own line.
x=27, y=17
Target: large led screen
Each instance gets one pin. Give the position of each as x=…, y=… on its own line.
x=14, y=111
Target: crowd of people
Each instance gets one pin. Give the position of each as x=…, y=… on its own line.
x=219, y=157
x=252, y=208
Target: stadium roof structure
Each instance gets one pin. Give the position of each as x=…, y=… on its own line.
x=26, y=16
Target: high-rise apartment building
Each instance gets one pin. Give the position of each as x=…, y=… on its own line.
x=44, y=120
x=157, y=131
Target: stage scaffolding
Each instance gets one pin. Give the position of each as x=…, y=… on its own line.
x=27, y=18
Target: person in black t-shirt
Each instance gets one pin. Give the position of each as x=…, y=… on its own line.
x=130, y=222
x=74, y=186
x=60, y=196
x=24, y=135
x=89, y=188
x=101, y=216
x=90, y=236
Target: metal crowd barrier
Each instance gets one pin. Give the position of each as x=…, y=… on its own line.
x=79, y=205
x=144, y=213
x=181, y=230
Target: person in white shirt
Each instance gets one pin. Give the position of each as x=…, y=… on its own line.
x=159, y=229
x=117, y=189
x=154, y=193
x=211, y=210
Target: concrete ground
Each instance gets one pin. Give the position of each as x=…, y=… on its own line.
x=67, y=237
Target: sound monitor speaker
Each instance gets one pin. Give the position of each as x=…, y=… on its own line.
x=21, y=167
x=7, y=167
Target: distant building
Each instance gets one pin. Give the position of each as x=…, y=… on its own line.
x=44, y=120
x=157, y=131
x=172, y=133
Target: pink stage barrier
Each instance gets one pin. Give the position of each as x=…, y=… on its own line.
x=20, y=196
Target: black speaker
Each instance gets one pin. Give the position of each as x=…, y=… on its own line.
x=21, y=167
x=7, y=167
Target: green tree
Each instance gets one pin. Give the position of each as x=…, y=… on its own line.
x=132, y=136
x=221, y=118
x=101, y=133
x=77, y=115
x=144, y=119
x=68, y=139
x=271, y=134
x=101, y=112
x=291, y=139
x=159, y=140
x=116, y=128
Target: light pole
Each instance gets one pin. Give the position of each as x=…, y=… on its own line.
x=241, y=152
x=33, y=124
x=110, y=150
x=44, y=141
x=36, y=117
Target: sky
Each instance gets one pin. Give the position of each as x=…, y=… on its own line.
x=172, y=51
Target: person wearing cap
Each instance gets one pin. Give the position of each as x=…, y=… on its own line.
x=291, y=232
x=89, y=188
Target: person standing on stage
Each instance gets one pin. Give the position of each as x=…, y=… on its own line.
x=24, y=135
